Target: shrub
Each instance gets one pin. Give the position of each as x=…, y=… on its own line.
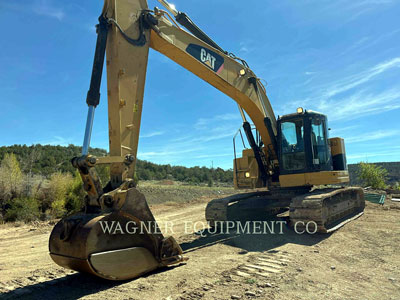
x=75, y=195
x=11, y=178
x=22, y=209
x=372, y=175
x=210, y=183
x=58, y=188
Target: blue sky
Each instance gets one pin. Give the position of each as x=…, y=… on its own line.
x=339, y=57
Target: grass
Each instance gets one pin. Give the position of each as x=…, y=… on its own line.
x=251, y=281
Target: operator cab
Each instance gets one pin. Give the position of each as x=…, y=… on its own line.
x=303, y=143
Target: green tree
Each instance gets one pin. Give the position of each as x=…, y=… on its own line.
x=11, y=178
x=58, y=189
x=43, y=160
x=372, y=175
x=22, y=209
x=75, y=195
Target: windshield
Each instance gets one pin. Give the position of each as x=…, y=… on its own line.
x=318, y=140
x=293, y=155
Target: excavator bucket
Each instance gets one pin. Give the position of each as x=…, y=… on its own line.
x=121, y=241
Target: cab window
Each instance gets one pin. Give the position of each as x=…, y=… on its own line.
x=318, y=141
x=293, y=155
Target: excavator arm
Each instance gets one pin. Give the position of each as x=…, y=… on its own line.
x=131, y=30
x=126, y=31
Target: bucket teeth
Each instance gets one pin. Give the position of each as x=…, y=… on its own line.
x=171, y=252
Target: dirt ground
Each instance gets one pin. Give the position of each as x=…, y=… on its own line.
x=157, y=193
x=359, y=261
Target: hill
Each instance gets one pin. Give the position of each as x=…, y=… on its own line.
x=46, y=159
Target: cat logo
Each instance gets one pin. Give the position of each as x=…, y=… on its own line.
x=208, y=57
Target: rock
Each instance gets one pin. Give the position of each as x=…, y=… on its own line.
x=235, y=297
x=333, y=267
x=299, y=270
x=41, y=279
x=392, y=279
x=206, y=288
x=283, y=264
x=263, y=285
x=316, y=251
x=243, y=252
x=250, y=293
x=227, y=278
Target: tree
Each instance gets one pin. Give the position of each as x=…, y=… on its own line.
x=28, y=164
x=75, y=195
x=44, y=160
x=11, y=178
x=372, y=175
x=22, y=209
x=59, y=185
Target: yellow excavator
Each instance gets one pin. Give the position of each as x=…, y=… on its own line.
x=288, y=160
